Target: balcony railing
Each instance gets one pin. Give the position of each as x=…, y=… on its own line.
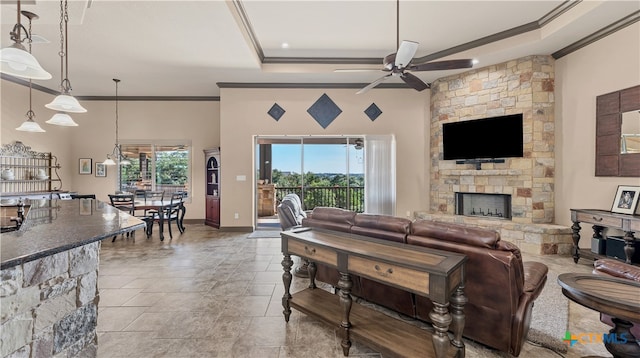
x=351, y=198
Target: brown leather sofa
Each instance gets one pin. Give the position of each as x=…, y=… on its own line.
x=501, y=289
x=615, y=268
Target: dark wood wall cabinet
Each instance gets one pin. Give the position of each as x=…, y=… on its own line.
x=212, y=194
x=609, y=109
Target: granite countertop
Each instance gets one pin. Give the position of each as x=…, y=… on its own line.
x=53, y=226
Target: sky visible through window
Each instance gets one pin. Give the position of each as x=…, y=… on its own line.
x=318, y=158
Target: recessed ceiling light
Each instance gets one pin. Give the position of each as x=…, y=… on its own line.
x=285, y=45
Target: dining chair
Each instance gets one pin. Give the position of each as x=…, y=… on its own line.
x=127, y=203
x=152, y=195
x=171, y=212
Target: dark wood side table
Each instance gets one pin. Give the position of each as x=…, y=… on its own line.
x=614, y=296
x=435, y=274
x=601, y=219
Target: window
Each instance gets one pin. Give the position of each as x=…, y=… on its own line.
x=155, y=166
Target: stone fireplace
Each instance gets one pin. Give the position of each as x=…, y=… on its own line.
x=524, y=85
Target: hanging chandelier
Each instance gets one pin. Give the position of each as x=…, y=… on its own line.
x=30, y=125
x=16, y=61
x=116, y=155
x=64, y=102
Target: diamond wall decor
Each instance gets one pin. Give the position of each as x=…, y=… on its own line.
x=373, y=112
x=324, y=111
x=276, y=111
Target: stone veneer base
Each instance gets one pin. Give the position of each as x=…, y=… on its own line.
x=540, y=239
x=49, y=306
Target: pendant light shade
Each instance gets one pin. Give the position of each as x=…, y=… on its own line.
x=17, y=62
x=30, y=126
x=66, y=103
x=62, y=119
x=109, y=161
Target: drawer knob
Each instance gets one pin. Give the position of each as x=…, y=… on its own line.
x=309, y=251
x=597, y=218
x=381, y=272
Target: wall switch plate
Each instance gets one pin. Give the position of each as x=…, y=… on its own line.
x=236, y=216
x=241, y=178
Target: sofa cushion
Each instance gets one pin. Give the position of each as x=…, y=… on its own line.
x=457, y=233
x=330, y=218
x=381, y=226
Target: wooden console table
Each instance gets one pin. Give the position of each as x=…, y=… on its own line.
x=601, y=219
x=435, y=274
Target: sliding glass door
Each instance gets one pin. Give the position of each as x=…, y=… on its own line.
x=322, y=171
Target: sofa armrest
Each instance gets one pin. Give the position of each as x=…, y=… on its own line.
x=535, y=276
x=617, y=269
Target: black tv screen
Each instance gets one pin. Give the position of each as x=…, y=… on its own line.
x=487, y=138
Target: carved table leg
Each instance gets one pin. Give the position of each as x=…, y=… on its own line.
x=311, y=270
x=345, y=285
x=287, y=262
x=458, y=300
x=629, y=249
x=625, y=343
x=575, y=235
x=441, y=320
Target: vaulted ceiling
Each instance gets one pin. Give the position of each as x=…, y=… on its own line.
x=189, y=48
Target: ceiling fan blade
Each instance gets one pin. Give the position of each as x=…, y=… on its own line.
x=442, y=65
x=356, y=70
x=413, y=81
x=373, y=84
x=405, y=53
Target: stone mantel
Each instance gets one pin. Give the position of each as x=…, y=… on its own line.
x=481, y=172
x=49, y=288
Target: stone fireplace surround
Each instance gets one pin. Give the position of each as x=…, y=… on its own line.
x=524, y=85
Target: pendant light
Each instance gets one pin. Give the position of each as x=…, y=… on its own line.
x=116, y=155
x=64, y=102
x=16, y=61
x=30, y=125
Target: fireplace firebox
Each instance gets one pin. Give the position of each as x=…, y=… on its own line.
x=484, y=204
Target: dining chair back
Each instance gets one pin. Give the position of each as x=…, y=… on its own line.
x=172, y=212
x=127, y=203
x=151, y=195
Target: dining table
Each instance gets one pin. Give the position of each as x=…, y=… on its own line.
x=160, y=206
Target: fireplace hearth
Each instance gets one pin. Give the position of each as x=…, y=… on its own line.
x=483, y=204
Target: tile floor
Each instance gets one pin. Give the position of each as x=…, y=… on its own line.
x=218, y=294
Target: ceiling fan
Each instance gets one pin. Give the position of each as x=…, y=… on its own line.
x=399, y=64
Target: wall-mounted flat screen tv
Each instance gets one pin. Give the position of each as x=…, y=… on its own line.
x=486, y=138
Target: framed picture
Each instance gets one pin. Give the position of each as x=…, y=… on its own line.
x=85, y=165
x=626, y=200
x=101, y=170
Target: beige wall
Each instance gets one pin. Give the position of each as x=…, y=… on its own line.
x=94, y=138
x=243, y=114
x=605, y=66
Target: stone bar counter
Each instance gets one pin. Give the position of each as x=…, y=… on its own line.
x=49, y=277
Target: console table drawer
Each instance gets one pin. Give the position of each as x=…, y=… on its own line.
x=596, y=219
x=388, y=273
x=313, y=253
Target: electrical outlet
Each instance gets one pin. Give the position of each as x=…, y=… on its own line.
x=236, y=216
x=408, y=214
